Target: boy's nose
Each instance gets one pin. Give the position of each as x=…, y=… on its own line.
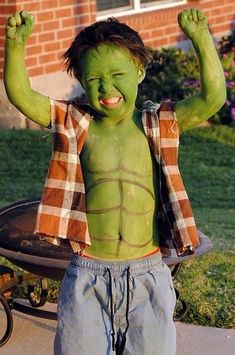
x=105, y=86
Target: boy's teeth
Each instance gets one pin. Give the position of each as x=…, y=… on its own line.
x=111, y=100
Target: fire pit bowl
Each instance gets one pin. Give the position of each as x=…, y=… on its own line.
x=22, y=248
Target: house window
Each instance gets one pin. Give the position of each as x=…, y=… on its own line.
x=113, y=5
x=120, y=7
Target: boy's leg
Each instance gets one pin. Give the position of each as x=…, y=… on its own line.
x=83, y=314
x=151, y=330
x=84, y=310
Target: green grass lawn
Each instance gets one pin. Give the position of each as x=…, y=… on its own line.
x=207, y=160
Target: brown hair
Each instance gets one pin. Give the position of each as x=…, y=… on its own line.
x=109, y=31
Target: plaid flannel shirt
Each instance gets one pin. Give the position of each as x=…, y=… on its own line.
x=62, y=210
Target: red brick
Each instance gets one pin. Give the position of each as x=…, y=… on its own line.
x=46, y=58
x=216, y=11
x=159, y=42
x=171, y=29
x=31, y=7
x=157, y=33
x=81, y=8
x=67, y=2
x=3, y=20
x=50, y=47
x=61, y=13
x=45, y=16
x=230, y=17
x=66, y=43
x=32, y=40
x=31, y=62
x=49, y=4
x=221, y=28
x=46, y=37
x=7, y=10
x=52, y=68
x=9, y=2
x=33, y=50
x=85, y=19
x=68, y=33
x=229, y=7
x=52, y=25
x=59, y=55
x=2, y=31
x=93, y=7
x=220, y=19
x=35, y=71
x=68, y=22
x=145, y=35
x=173, y=39
x=37, y=27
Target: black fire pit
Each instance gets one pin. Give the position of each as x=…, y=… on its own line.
x=22, y=248
x=43, y=260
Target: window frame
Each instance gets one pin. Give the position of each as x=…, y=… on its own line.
x=138, y=9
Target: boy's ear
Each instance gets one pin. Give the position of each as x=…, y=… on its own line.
x=141, y=73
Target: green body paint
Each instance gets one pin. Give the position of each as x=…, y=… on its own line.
x=120, y=178
x=116, y=159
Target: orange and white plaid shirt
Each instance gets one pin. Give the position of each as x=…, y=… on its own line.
x=62, y=210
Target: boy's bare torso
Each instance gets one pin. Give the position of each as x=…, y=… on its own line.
x=120, y=192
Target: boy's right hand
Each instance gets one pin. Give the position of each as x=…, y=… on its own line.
x=19, y=27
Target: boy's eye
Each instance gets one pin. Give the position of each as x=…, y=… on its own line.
x=117, y=74
x=92, y=79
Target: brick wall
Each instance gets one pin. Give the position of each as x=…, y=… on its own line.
x=56, y=22
x=160, y=28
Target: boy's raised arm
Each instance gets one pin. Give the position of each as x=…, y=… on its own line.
x=196, y=109
x=31, y=103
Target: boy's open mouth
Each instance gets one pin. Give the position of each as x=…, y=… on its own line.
x=111, y=101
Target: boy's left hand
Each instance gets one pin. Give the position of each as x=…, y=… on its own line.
x=193, y=23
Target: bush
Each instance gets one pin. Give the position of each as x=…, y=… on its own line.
x=168, y=76
x=174, y=74
x=226, y=49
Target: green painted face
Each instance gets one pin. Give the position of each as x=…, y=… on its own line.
x=110, y=78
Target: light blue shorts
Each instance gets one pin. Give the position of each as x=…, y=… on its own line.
x=102, y=303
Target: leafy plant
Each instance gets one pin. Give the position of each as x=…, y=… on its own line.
x=168, y=76
x=174, y=74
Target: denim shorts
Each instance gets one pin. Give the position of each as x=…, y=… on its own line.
x=116, y=308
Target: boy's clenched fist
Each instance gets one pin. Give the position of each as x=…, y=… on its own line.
x=19, y=27
x=193, y=23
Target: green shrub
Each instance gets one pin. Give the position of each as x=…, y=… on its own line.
x=173, y=75
x=168, y=76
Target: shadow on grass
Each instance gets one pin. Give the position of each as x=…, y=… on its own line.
x=207, y=284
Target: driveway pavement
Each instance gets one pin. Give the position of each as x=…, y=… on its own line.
x=34, y=336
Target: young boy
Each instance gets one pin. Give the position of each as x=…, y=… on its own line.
x=113, y=187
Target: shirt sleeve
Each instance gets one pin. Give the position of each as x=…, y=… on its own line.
x=58, y=111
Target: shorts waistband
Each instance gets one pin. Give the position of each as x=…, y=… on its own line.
x=116, y=266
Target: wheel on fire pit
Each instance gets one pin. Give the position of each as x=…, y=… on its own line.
x=37, y=295
x=6, y=323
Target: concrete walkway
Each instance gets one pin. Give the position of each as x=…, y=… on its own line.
x=34, y=336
